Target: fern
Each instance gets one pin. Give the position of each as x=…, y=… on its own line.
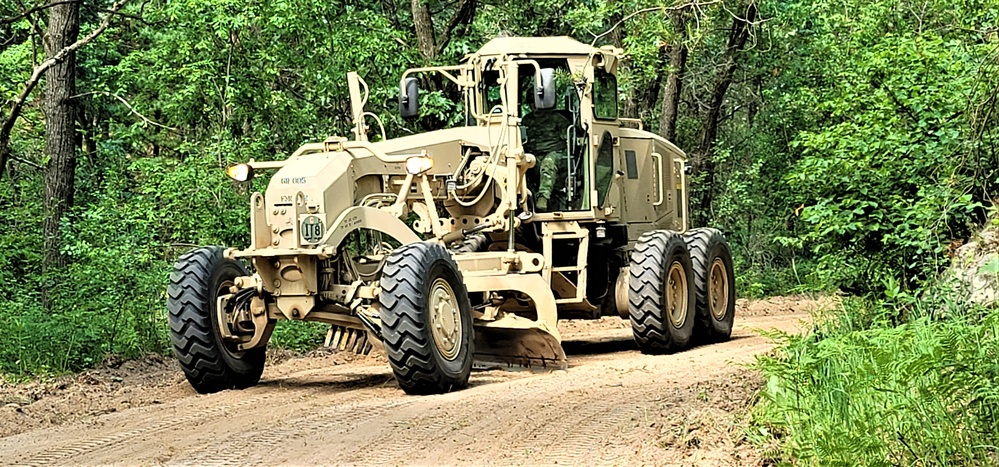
x=922, y=393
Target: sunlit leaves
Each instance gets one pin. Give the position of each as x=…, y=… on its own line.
x=885, y=175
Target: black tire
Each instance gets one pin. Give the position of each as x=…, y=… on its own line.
x=425, y=361
x=661, y=320
x=714, y=283
x=210, y=364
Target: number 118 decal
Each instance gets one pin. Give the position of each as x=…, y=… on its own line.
x=312, y=229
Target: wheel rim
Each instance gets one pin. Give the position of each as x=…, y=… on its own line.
x=445, y=322
x=676, y=289
x=229, y=347
x=718, y=289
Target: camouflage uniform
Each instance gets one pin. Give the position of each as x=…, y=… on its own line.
x=546, y=139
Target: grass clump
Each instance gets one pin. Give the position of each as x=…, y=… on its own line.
x=925, y=392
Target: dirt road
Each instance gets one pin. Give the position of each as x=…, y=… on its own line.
x=613, y=406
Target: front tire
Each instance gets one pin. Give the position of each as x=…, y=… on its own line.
x=426, y=319
x=714, y=283
x=210, y=364
x=661, y=293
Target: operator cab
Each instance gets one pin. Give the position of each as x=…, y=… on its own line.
x=574, y=138
x=584, y=118
x=556, y=137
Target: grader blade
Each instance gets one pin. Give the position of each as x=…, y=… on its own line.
x=528, y=346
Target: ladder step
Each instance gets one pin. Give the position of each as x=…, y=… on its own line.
x=567, y=268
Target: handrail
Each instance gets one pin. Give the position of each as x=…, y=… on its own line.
x=659, y=177
x=683, y=191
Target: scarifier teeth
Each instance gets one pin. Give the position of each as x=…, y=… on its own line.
x=348, y=340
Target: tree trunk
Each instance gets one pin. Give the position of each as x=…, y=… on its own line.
x=754, y=103
x=703, y=157
x=389, y=11
x=424, y=26
x=60, y=117
x=650, y=100
x=674, y=81
x=66, y=28
x=427, y=41
x=5, y=153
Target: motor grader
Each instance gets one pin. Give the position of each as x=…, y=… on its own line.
x=435, y=245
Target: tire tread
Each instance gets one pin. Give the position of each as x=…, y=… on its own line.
x=699, y=242
x=197, y=348
x=407, y=339
x=646, y=300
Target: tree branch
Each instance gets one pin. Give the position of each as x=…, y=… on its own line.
x=663, y=9
x=464, y=14
x=25, y=13
x=27, y=162
x=36, y=76
x=118, y=13
x=130, y=108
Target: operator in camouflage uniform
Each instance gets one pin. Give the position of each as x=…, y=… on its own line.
x=546, y=139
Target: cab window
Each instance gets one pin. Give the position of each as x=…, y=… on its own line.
x=604, y=95
x=491, y=90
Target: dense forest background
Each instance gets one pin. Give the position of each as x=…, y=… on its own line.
x=841, y=145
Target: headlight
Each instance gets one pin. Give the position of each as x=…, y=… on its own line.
x=417, y=165
x=240, y=172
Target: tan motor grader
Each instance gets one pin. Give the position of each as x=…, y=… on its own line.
x=433, y=245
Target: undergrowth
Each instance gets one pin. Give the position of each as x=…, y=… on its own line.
x=862, y=389
x=114, y=308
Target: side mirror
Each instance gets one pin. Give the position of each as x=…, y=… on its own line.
x=409, y=98
x=544, y=92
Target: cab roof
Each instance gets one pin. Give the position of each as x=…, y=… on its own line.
x=559, y=45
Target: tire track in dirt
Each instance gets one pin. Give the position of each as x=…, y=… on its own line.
x=48, y=457
x=562, y=417
x=434, y=419
x=252, y=448
x=588, y=428
x=219, y=406
x=610, y=407
x=572, y=440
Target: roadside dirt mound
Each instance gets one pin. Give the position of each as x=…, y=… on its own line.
x=116, y=386
x=613, y=406
x=777, y=306
x=975, y=267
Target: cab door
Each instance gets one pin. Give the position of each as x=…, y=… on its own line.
x=608, y=201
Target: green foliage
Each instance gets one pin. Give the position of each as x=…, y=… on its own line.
x=892, y=167
x=890, y=159
x=856, y=140
x=923, y=393
x=299, y=336
x=881, y=181
x=255, y=80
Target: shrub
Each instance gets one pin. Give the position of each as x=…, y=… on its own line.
x=922, y=393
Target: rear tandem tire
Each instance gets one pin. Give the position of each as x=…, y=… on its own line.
x=714, y=283
x=426, y=319
x=661, y=293
x=197, y=280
